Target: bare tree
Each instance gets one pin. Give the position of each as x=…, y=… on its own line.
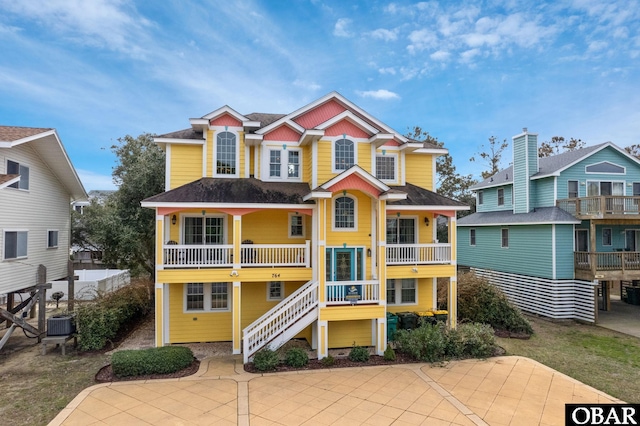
x=557, y=145
x=492, y=155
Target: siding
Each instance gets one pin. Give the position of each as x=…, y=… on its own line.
x=419, y=170
x=186, y=164
x=529, y=250
x=490, y=199
x=542, y=190
x=45, y=206
x=345, y=334
x=564, y=252
x=253, y=227
x=520, y=178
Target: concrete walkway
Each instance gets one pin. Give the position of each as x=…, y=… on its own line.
x=497, y=391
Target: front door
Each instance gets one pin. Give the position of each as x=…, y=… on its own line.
x=344, y=265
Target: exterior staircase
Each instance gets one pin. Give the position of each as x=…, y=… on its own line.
x=280, y=324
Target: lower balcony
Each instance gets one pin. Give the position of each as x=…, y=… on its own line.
x=418, y=254
x=352, y=292
x=605, y=266
x=222, y=256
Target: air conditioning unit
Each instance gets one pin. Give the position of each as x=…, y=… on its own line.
x=60, y=325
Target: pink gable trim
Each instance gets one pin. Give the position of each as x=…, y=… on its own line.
x=282, y=133
x=225, y=120
x=347, y=128
x=355, y=182
x=391, y=143
x=320, y=114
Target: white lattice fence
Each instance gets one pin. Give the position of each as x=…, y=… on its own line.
x=557, y=299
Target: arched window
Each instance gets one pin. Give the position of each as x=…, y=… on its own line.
x=226, y=153
x=344, y=213
x=344, y=154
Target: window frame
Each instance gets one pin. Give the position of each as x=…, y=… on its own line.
x=275, y=167
x=270, y=298
x=183, y=224
x=334, y=152
x=397, y=291
x=51, y=232
x=302, y=225
x=500, y=196
x=207, y=293
x=22, y=235
x=577, y=191
x=472, y=237
x=285, y=163
x=399, y=227
x=503, y=239
x=236, y=153
x=609, y=236
x=334, y=215
x=23, y=171
x=392, y=156
x=480, y=197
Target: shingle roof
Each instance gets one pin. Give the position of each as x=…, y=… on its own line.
x=539, y=215
x=182, y=134
x=546, y=166
x=14, y=133
x=235, y=191
x=7, y=178
x=264, y=118
x=417, y=196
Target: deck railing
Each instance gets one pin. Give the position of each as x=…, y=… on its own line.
x=221, y=255
x=601, y=205
x=347, y=292
x=607, y=261
x=418, y=254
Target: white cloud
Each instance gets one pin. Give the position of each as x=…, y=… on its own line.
x=598, y=45
x=440, y=56
x=341, y=28
x=421, y=40
x=381, y=94
x=389, y=70
x=468, y=55
x=384, y=34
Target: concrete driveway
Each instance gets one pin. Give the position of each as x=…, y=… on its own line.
x=497, y=391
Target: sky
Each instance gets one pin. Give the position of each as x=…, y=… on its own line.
x=465, y=71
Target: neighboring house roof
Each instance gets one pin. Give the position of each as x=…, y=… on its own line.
x=6, y=180
x=417, y=196
x=47, y=144
x=548, y=166
x=540, y=215
x=233, y=191
x=182, y=134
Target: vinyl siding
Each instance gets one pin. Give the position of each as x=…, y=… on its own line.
x=44, y=206
x=307, y=163
x=564, y=252
x=345, y=334
x=253, y=227
x=529, y=251
x=424, y=300
x=419, y=170
x=324, y=161
x=520, y=178
x=542, y=192
x=490, y=199
x=186, y=164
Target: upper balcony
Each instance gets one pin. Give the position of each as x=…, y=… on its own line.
x=601, y=207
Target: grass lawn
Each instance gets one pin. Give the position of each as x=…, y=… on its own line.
x=606, y=360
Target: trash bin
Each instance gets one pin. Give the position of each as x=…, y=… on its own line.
x=426, y=317
x=441, y=315
x=407, y=320
x=392, y=325
x=633, y=295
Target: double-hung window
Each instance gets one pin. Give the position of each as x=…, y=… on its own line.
x=501, y=196
x=401, y=291
x=275, y=164
x=279, y=169
x=15, y=244
x=207, y=297
x=572, y=189
x=480, y=197
x=344, y=213
x=344, y=154
x=275, y=290
x=504, y=241
x=296, y=226
x=52, y=239
x=386, y=167
x=293, y=167
x=14, y=168
x=472, y=237
x=226, y=158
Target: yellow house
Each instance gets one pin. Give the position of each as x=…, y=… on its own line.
x=310, y=225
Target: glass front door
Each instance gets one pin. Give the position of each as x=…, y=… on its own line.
x=345, y=264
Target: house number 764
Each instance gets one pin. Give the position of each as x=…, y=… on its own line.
x=275, y=275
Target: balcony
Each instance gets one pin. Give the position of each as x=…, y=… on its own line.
x=348, y=292
x=418, y=254
x=605, y=206
x=619, y=265
x=221, y=255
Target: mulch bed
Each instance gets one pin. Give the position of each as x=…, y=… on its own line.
x=105, y=374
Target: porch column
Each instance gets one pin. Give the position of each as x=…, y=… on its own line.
x=320, y=267
x=452, y=303
x=160, y=227
x=236, y=318
x=237, y=240
x=159, y=317
x=381, y=335
x=161, y=290
x=381, y=252
x=593, y=258
x=323, y=339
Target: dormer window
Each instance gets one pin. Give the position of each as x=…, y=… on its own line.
x=226, y=154
x=284, y=164
x=344, y=154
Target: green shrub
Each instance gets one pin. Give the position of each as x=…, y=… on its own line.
x=296, y=357
x=163, y=360
x=100, y=320
x=359, y=354
x=328, y=361
x=479, y=339
x=454, y=343
x=426, y=343
x=389, y=354
x=481, y=302
x=266, y=360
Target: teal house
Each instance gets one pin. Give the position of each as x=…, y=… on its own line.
x=558, y=234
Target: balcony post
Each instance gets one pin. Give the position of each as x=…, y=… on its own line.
x=307, y=253
x=592, y=247
x=237, y=236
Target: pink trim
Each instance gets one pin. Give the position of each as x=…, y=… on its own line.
x=346, y=127
x=391, y=143
x=225, y=120
x=355, y=182
x=320, y=114
x=282, y=133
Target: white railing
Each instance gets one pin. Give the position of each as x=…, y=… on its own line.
x=275, y=254
x=341, y=292
x=193, y=256
x=418, y=254
x=283, y=322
